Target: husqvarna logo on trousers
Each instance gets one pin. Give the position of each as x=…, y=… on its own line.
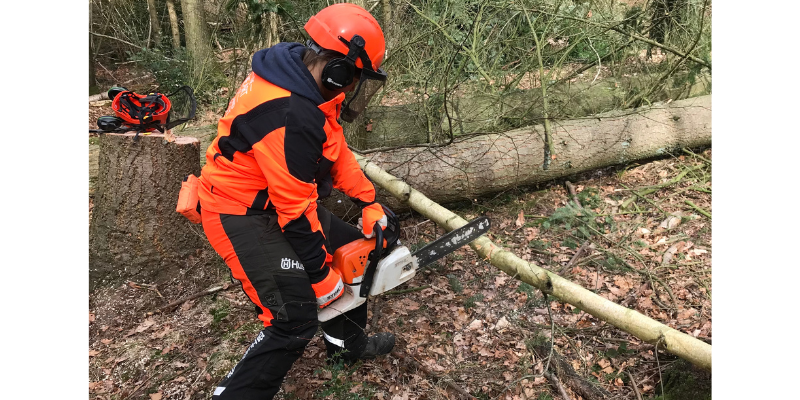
x=288, y=263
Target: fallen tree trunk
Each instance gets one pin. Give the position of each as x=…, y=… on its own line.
x=497, y=162
x=426, y=122
x=643, y=327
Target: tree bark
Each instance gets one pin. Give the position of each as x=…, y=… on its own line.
x=198, y=42
x=155, y=27
x=173, y=24
x=484, y=112
x=93, y=88
x=497, y=162
x=387, y=20
x=272, y=29
x=135, y=232
x=643, y=327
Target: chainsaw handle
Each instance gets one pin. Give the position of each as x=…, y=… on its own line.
x=366, y=284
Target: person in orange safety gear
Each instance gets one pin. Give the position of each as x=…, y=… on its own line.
x=280, y=148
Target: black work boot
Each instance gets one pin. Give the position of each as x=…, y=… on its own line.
x=378, y=345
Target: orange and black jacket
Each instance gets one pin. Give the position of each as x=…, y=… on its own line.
x=278, y=149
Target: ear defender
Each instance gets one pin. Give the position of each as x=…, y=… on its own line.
x=339, y=73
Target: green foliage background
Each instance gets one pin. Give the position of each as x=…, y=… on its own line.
x=456, y=68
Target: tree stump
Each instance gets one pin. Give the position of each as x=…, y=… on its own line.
x=135, y=232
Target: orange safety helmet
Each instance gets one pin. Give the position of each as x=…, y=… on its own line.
x=346, y=20
x=147, y=112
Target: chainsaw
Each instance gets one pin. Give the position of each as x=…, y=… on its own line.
x=365, y=272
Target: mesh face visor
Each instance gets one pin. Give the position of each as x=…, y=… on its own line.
x=369, y=84
x=183, y=106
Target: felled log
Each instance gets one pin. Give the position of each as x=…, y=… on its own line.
x=134, y=232
x=418, y=122
x=641, y=326
x=497, y=162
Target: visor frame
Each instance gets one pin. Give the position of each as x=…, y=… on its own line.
x=362, y=95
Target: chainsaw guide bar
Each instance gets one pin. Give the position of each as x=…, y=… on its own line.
x=452, y=241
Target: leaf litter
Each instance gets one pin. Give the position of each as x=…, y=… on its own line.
x=474, y=326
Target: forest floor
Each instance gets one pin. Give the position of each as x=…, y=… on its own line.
x=646, y=235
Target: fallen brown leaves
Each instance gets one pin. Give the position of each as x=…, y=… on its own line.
x=474, y=326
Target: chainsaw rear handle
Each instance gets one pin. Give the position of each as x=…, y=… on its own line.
x=374, y=257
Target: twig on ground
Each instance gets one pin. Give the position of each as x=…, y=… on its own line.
x=658, y=364
x=557, y=384
x=403, y=291
x=571, y=189
x=243, y=307
x=656, y=300
x=146, y=286
x=633, y=383
x=636, y=255
x=578, y=254
x=106, y=69
x=693, y=154
x=445, y=377
x=698, y=209
x=192, y=297
x=652, y=189
x=567, y=374
x=376, y=312
x=137, y=388
x=136, y=78
x=637, y=194
x=552, y=332
x=192, y=387
x=542, y=252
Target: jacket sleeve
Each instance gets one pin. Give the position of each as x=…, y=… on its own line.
x=288, y=158
x=350, y=180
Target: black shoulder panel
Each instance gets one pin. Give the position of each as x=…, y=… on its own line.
x=305, y=135
x=249, y=128
x=323, y=178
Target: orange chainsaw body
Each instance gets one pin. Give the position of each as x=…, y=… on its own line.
x=351, y=260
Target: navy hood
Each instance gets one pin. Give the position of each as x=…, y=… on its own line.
x=282, y=65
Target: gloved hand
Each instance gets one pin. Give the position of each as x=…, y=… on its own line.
x=330, y=287
x=390, y=225
x=369, y=216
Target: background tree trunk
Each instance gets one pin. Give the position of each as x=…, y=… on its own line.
x=135, y=232
x=496, y=162
x=273, y=38
x=155, y=27
x=387, y=19
x=198, y=42
x=93, y=89
x=173, y=24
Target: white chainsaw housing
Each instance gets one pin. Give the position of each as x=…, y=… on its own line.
x=393, y=270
